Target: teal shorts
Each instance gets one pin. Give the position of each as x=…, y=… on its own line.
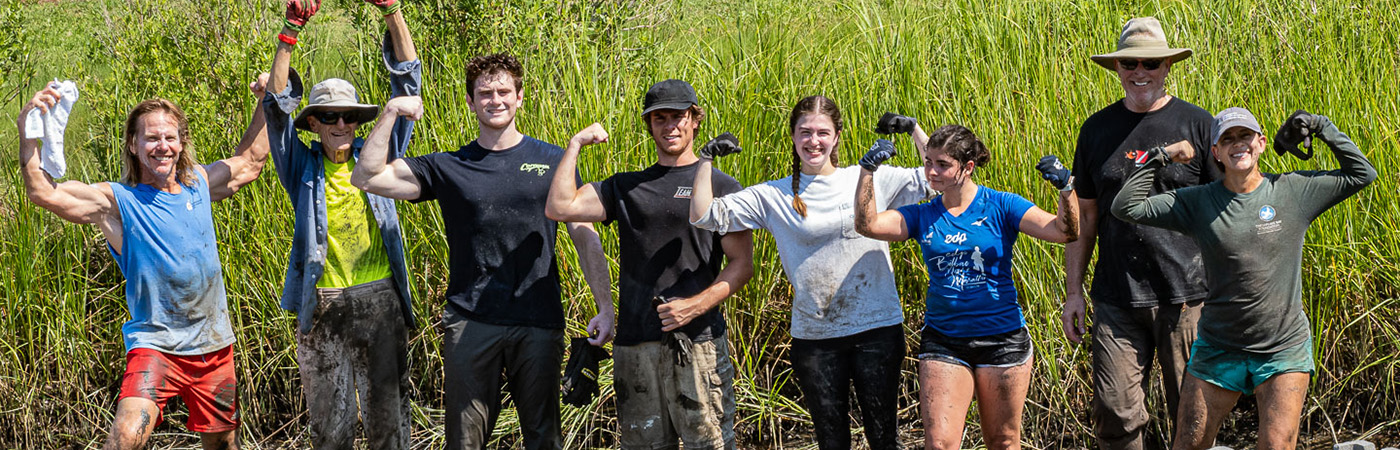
x=1242, y=371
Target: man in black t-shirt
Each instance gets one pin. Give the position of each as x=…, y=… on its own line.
x=1148, y=283
x=503, y=311
x=673, y=376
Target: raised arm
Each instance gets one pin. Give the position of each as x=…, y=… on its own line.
x=1133, y=203
x=73, y=201
x=885, y=225
x=226, y=176
x=1064, y=225
x=374, y=173
x=567, y=202
x=1326, y=189
x=399, y=37
x=595, y=272
x=738, y=249
x=891, y=123
x=702, y=192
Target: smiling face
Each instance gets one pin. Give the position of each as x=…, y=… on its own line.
x=494, y=100
x=336, y=137
x=673, y=131
x=157, y=147
x=1238, y=150
x=814, y=137
x=1140, y=85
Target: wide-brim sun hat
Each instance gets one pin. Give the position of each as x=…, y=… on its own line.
x=335, y=93
x=1142, y=38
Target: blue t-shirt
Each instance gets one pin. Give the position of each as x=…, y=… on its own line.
x=174, y=281
x=968, y=256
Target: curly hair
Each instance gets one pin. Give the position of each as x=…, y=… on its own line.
x=961, y=144
x=184, y=165
x=492, y=65
x=815, y=104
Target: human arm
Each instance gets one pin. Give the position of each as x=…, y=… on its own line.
x=1327, y=188
x=1073, y=315
x=595, y=272
x=738, y=249
x=226, y=176
x=73, y=201
x=891, y=123
x=567, y=202
x=375, y=173
x=885, y=225
x=399, y=37
x=1064, y=225
x=1133, y=203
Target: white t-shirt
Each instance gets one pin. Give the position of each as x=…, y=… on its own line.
x=843, y=283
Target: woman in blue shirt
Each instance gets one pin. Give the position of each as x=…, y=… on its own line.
x=974, y=339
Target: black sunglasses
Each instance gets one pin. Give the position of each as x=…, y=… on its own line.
x=1132, y=64
x=331, y=117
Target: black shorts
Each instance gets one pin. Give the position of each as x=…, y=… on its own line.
x=1009, y=349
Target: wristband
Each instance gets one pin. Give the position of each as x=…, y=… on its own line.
x=1069, y=186
x=294, y=27
x=391, y=9
x=286, y=39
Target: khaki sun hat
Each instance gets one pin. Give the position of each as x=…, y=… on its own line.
x=335, y=93
x=1142, y=38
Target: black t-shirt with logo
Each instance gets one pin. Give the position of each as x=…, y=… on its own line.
x=501, y=265
x=660, y=253
x=1139, y=265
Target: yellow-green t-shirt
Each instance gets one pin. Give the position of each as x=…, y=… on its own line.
x=354, y=250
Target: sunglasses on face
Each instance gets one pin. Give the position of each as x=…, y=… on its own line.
x=331, y=117
x=1132, y=64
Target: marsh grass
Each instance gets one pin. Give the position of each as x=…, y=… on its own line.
x=1014, y=71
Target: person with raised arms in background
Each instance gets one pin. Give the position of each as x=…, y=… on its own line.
x=974, y=339
x=847, y=322
x=347, y=278
x=1148, y=282
x=503, y=314
x=159, y=227
x=672, y=372
x=1254, y=336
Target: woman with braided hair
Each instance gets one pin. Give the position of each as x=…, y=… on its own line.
x=846, y=314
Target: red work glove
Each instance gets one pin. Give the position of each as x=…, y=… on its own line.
x=299, y=11
x=385, y=6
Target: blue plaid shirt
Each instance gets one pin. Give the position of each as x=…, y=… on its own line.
x=300, y=170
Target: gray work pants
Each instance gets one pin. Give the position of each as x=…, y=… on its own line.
x=354, y=367
x=475, y=355
x=1125, y=342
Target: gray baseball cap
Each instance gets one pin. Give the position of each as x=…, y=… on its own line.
x=1233, y=117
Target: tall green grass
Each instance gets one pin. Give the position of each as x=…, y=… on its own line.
x=1015, y=71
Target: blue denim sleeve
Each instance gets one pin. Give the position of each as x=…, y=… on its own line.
x=288, y=153
x=405, y=78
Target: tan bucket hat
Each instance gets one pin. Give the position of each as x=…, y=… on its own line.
x=339, y=94
x=1142, y=38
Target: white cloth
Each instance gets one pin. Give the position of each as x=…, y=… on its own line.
x=842, y=282
x=49, y=128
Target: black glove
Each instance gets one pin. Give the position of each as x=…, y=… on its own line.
x=1054, y=172
x=581, y=373
x=1298, y=129
x=881, y=151
x=680, y=346
x=895, y=123
x=723, y=145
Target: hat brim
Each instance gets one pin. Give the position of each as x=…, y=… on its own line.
x=359, y=112
x=670, y=105
x=1110, y=60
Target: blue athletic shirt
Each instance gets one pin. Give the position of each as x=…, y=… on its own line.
x=174, y=281
x=968, y=256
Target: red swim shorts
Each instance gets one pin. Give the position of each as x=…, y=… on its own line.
x=205, y=382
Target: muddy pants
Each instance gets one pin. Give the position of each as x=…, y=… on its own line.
x=474, y=357
x=1124, y=343
x=354, y=365
x=660, y=402
x=826, y=368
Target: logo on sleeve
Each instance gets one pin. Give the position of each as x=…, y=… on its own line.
x=538, y=169
x=1139, y=157
x=682, y=192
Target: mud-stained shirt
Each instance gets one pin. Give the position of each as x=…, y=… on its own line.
x=842, y=282
x=174, y=281
x=1252, y=243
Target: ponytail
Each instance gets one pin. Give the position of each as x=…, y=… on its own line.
x=797, y=202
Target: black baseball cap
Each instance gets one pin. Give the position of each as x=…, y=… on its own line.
x=669, y=94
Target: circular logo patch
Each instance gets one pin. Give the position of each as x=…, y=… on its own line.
x=1267, y=213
